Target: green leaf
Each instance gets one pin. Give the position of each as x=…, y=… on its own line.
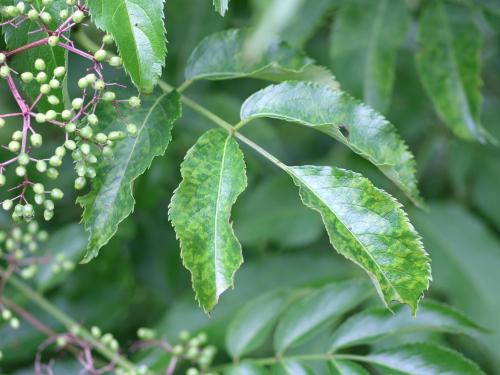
x=424, y=359
x=25, y=61
x=68, y=244
x=214, y=176
x=375, y=324
x=139, y=31
x=221, y=6
x=366, y=37
x=111, y=200
x=221, y=56
x=340, y=116
x=448, y=62
x=282, y=219
x=468, y=277
x=289, y=367
x=253, y=324
x=368, y=226
x=342, y=367
x=245, y=368
x=314, y=312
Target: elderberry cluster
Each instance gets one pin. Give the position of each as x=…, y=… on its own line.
x=82, y=135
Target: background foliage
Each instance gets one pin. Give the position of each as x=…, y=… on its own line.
x=411, y=70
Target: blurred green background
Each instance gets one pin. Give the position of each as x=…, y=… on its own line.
x=138, y=280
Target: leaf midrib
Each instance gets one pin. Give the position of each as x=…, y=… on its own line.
x=350, y=232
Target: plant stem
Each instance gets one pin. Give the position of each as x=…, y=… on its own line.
x=68, y=322
x=84, y=40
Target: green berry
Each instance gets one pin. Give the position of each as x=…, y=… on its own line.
x=115, y=61
x=41, y=166
x=54, y=83
x=48, y=215
x=33, y=15
x=70, y=144
x=57, y=194
x=53, y=41
x=40, y=118
x=38, y=188
x=17, y=135
x=108, y=96
x=134, y=101
x=101, y=138
x=4, y=71
x=14, y=146
x=51, y=115
x=63, y=14
x=52, y=173
x=3, y=58
x=2, y=122
x=49, y=205
x=39, y=198
x=40, y=64
x=23, y=159
x=66, y=114
x=70, y=128
x=99, y=85
x=77, y=103
x=59, y=72
x=21, y=171
x=80, y=183
x=27, y=77
x=91, y=77
x=45, y=89
x=92, y=119
x=21, y=7
x=46, y=17
x=78, y=16
x=55, y=161
x=100, y=55
x=7, y=204
x=116, y=135
x=132, y=129
x=86, y=132
x=54, y=100
x=3, y=180
x=36, y=140
x=41, y=77
x=107, y=39
x=85, y=148
x=83, y=83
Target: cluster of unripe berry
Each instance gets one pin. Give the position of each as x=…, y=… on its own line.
x=195, y=350
x=7, y=316
x=20, y=245
x=84, y=136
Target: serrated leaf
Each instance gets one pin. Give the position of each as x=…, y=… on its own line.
x=449, y=65
x=221, y=56
x=139, y=32
x=25, y=61
x=110, y=200
x=213, y=174
x=343, y=367
x=246, y=368
x=424, y=359
x=340, y=116
x=366, y=37
x=252, y=325
x=318, y=309
x=368, y=227
x=374, y=324
x=221, y=6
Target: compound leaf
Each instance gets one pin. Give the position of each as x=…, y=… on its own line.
x=425, y=359
x=214, y=176
x=368, y=226
x=340, y=116
x=374, y=324
x=221, y=56
x=312, y=313
x=139, y=31
x=110, y=201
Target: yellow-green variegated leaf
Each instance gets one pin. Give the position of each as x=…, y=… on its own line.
x=221, y=56
x=368, y=227
x=213, y=176
x=449, y=64
x=340, y=116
